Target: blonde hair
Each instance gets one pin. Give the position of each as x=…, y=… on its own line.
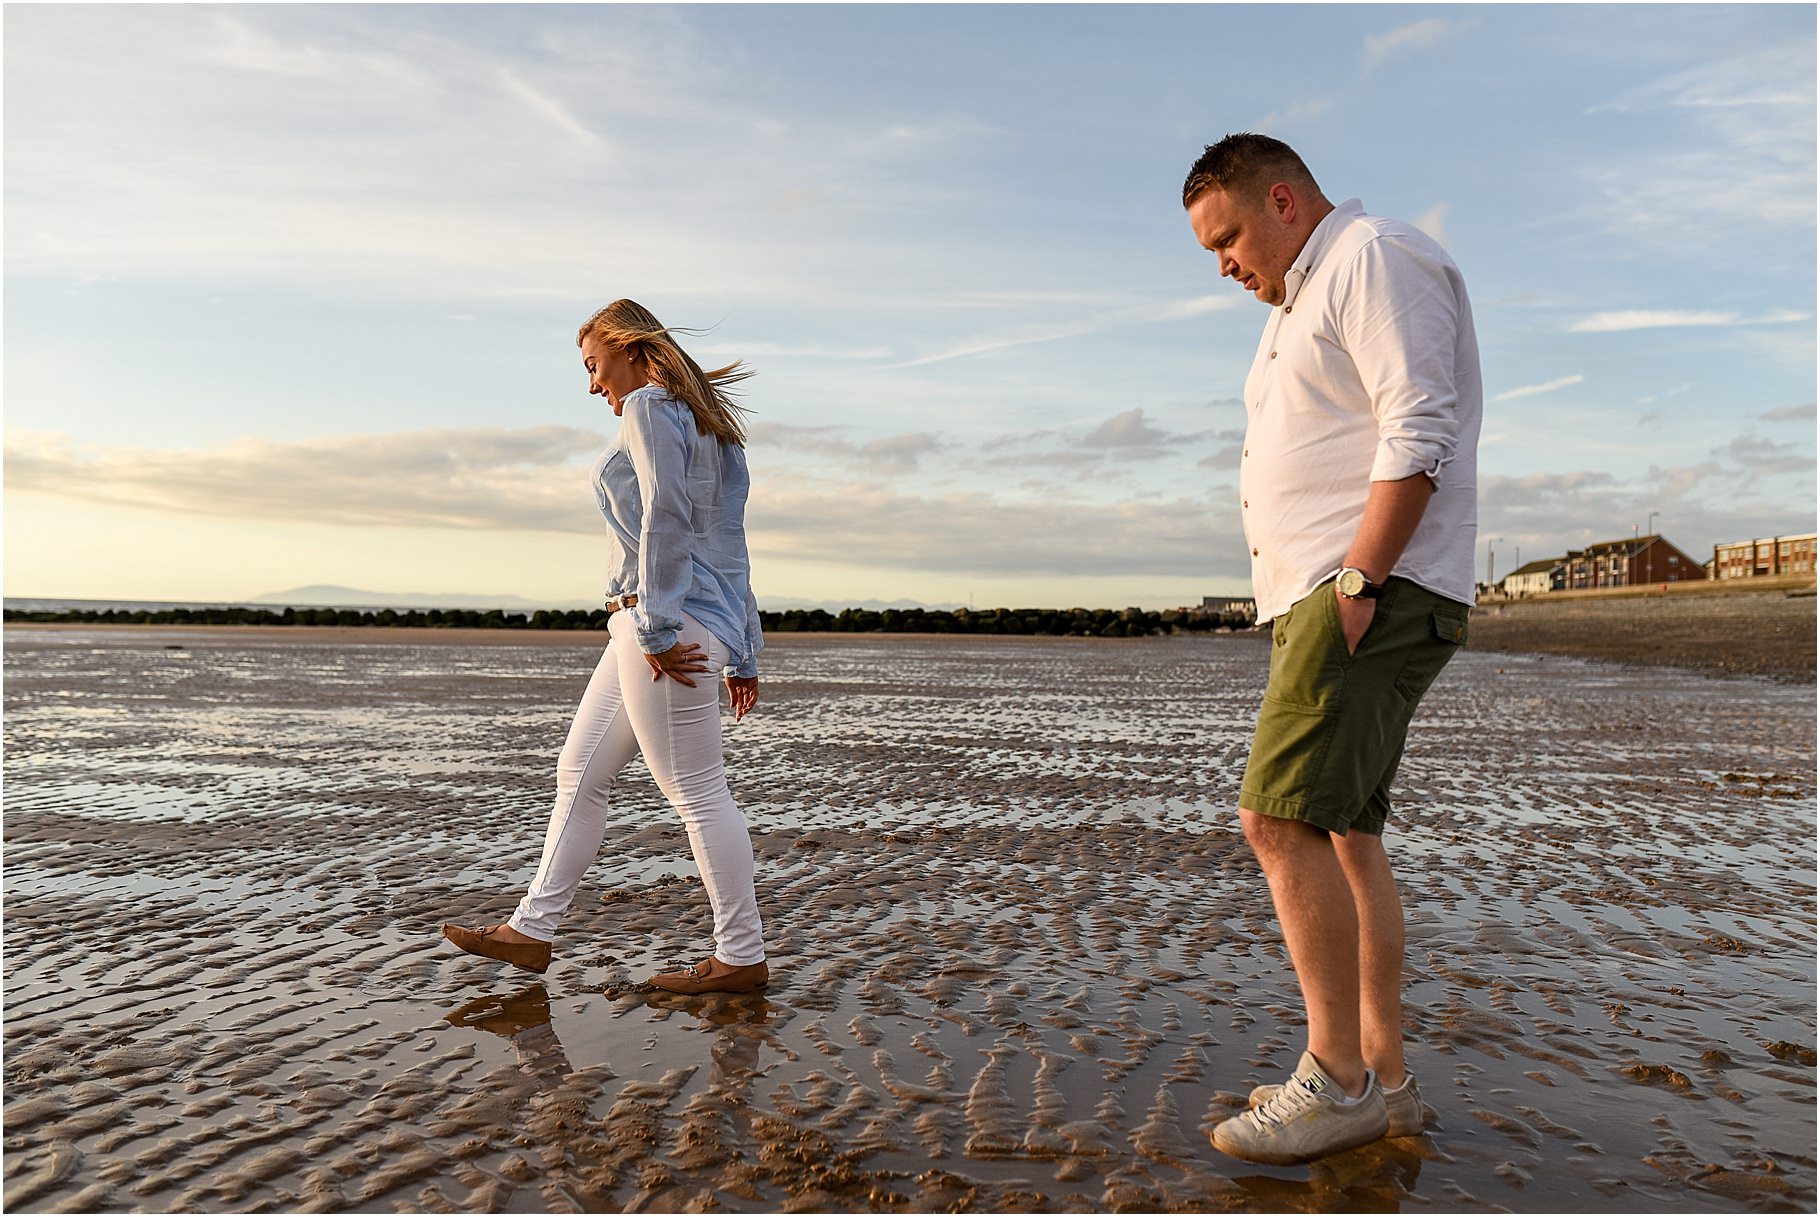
x=628, y=326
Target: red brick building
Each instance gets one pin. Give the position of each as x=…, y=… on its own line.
x=1762, y=556
x=1630, y=562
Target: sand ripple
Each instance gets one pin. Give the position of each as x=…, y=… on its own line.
x=1022, y=959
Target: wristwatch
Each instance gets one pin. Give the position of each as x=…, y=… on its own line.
x=1352, y=584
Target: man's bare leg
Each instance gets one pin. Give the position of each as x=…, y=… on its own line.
x=1314, y=904
x=1379, y=909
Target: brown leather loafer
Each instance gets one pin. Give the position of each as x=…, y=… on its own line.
x=713, y=976
x=531, y=956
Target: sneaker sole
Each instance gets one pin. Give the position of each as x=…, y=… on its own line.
x=1399, y=1125
x=1269, y=1159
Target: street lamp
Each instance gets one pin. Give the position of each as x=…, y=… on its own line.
x=1649, y=555
x=1488, y=558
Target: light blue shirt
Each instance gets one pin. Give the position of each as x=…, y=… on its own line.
x=675, y=502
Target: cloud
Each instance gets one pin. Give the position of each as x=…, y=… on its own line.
x=755, y=350
x=1679, y=389
x=1749, y=487
x=529, y=479
x=407, y=153
x=1434, y=223
x=984, y=533
x=1738, y=157
x=1547, y=386
x=1765, y=457
x=550, y=110
x=1668, y=318
x=1126, y=430
x=1098, y=321
x=1416, y=36
x=891, y=452
x=1789, y=414
x=1295, y=114
x=1776, y=78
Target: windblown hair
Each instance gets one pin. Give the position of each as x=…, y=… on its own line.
x=1245, y=163
x=628, y=326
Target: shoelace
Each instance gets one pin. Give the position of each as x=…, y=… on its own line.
x=1285, y=1105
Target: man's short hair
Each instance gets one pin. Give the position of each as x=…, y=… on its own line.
x=1243, y=163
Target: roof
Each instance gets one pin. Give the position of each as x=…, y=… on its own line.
x=1536, y=568
x=1799, y=536
x=1631, y=545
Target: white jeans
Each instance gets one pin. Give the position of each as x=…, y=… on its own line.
x=624, y=712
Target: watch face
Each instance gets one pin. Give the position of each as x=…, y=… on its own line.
x=1351, y=582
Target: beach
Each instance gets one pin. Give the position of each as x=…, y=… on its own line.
x=1022, y=959
x=1723, y=632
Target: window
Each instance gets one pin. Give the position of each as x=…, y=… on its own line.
x=1673, y=560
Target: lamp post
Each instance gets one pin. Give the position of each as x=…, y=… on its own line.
x=1488, y=558
x=1649, y=555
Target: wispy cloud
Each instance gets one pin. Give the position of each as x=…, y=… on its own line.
x=1416, y=36
x=1669, y=318
x=550, y=110
x=1748, y=486
x=1295, y=114
x=754, y=350
x=889, y=452
x=1765, y=457
x=1434, y=223
x=1741, y=155
x=483, y=478
x=1127, y=429
x=1774, y=77
x=1176, y=310
x=1547, y=386
x=987, y=533
x=1789, y=414
x=1679, y=389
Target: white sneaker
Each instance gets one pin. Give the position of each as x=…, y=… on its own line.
x=1306, y=1119
x=1407, y=1115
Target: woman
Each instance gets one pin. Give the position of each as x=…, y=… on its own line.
x=673, y=490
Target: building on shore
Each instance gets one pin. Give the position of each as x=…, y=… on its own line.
x=1224, y=606
x=1764, y=556
x=1629, y=562
x=1533, y=578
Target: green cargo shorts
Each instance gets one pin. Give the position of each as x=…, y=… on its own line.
x=1331, y=731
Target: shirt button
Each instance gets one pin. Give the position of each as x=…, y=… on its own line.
x=1247, y=452
x=1245, y=503
x=1273, y=354
x=1288, y=308
x=1254, y=553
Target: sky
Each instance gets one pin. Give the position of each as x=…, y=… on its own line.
x=292, y=291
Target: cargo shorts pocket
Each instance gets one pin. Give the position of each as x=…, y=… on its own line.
x=1441, y=641
x=1450, y=625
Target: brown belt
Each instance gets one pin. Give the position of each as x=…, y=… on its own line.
x=622, y=602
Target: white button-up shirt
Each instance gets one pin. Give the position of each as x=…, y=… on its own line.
x=1367, y=372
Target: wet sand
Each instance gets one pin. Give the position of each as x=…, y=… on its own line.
x=1737, y=634
x=1022, y=959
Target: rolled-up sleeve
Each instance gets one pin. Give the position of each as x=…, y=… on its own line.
x=1403, y=313
x=658, y=450
x=755, y=639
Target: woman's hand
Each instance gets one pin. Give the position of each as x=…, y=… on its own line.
x=743, y=692
x=679, y=659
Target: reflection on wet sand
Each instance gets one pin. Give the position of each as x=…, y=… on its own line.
x=1021, y=958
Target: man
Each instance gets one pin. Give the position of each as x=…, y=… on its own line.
x=1357, y=488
